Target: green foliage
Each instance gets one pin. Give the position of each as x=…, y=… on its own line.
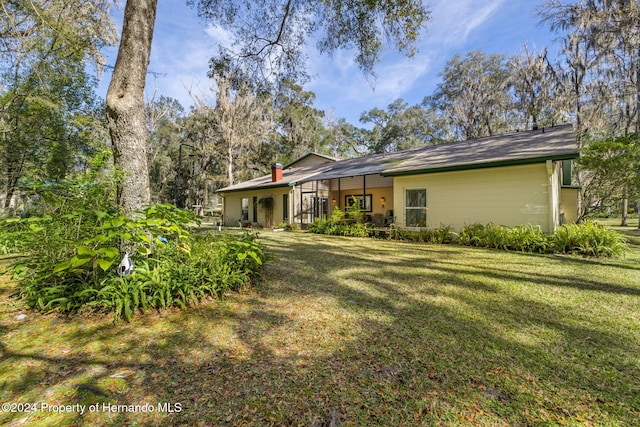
x=342, y=224
x=613, y=165
x=175, y=276
x=527, y=238
x=13, y=242
x=442, y=235
x=76, y=242
x=586, y=238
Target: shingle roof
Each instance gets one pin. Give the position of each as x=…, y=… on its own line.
x=289, y=177
x=555, y=143
x=310, y=154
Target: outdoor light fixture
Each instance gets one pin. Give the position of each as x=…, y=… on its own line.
x=382, y=200
x=333, y=201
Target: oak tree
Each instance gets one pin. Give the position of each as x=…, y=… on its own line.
x=270, y=36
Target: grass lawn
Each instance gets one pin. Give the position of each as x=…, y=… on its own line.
x=353, y=332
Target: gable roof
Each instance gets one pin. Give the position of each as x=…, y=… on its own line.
x=556, y=143
x=321, y=157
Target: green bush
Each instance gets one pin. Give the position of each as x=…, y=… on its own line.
x=73, y=247
x=589, y=239
x=586, y=238
x=528, y=238
x=341, y=224
x=177, y=276
x=13, y=242
x=442, y=235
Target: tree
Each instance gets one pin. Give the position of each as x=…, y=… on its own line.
x=601, y=77
x=125, y=104
x=474, y=94
x=400, y=127
x=531, y=75
x=342, y=139
x=242, y=126
x=299, y=126
x=165, y=120
x=270, y=35
x=46, y=97
x=613, y=168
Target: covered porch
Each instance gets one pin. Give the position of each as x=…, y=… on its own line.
x=317, y=198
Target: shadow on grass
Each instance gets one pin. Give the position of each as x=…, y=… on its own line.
x=345, y=331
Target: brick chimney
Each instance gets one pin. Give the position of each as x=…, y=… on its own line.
x=276, y=172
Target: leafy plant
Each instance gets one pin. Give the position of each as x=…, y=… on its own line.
x=585, y=238
x=340, y=223
x=589, y=239
x=73, y=248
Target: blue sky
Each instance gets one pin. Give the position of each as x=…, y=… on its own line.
x=183, y=44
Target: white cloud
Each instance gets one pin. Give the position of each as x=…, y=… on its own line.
x=220, y=36
x=183, y=46
x=454, y=21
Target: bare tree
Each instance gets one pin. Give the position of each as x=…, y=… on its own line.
x=242, y=125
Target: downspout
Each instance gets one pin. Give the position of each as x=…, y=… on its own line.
x=292, y=207
x=301, y=185
x=551, y=210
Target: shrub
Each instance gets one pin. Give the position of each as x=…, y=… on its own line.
x=174, y=276
x=529, y=238
x=341, y=224
x=588, y=239
x=74, y=246
x=441, y=235
x=472, y=235
x=13, y=242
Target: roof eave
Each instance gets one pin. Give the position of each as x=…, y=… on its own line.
x=258, y=187
x=501, y=163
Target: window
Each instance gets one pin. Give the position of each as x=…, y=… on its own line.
x=363, y=201
x=415, y=207
x=285, y=207
x=566, y=173
x=244, y=209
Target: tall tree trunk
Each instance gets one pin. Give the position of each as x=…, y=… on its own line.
x=625, y=209
x=125, y=104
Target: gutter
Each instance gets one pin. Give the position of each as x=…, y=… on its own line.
x=222, y=190
x=500, y=163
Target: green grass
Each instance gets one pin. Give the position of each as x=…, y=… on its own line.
x=355, y=331
x=632, y=231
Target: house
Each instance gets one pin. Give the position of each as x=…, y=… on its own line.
x=515, y=179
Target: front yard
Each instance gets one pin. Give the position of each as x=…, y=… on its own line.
x=352, y=332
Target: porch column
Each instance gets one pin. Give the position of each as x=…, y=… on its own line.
x=364, y=193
